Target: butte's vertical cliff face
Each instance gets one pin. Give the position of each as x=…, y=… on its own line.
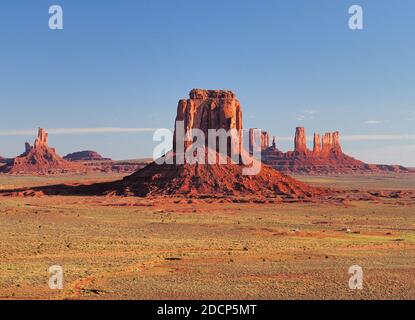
x=300, y=141
x=331, y=145
x=208, y=109
x=317, y=145
x=264, y=140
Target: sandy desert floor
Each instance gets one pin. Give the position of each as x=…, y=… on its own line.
x=132, y=248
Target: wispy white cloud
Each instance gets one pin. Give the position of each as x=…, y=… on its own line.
x=307, y=114
x=375, y=121
x=363, y=137
x=68, y=131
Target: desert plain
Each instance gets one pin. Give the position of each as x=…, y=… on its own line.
x=126, y=247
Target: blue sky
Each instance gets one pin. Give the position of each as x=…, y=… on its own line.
x=125, y=64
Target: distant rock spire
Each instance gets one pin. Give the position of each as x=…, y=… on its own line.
x=300, y=144
x=317, y=144
x=264, y=140
x=42, y=139
x=40, y=159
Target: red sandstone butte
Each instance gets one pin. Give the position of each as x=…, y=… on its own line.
x=40, y=159
x=326, y=157
x=209, y=109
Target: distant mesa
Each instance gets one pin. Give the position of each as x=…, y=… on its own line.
x=326, y=157
x=40, y=159
x=87, y=155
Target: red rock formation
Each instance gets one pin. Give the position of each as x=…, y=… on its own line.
x=40, y=159
x=317, y=145
x=85, y=156
x=331, y=145
x=327, y=157
x=300, y=142
x=42, y=139
x=336, y=142
x=208, y=109
x=27, y=147
x=274, y=142
x=264, y=140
